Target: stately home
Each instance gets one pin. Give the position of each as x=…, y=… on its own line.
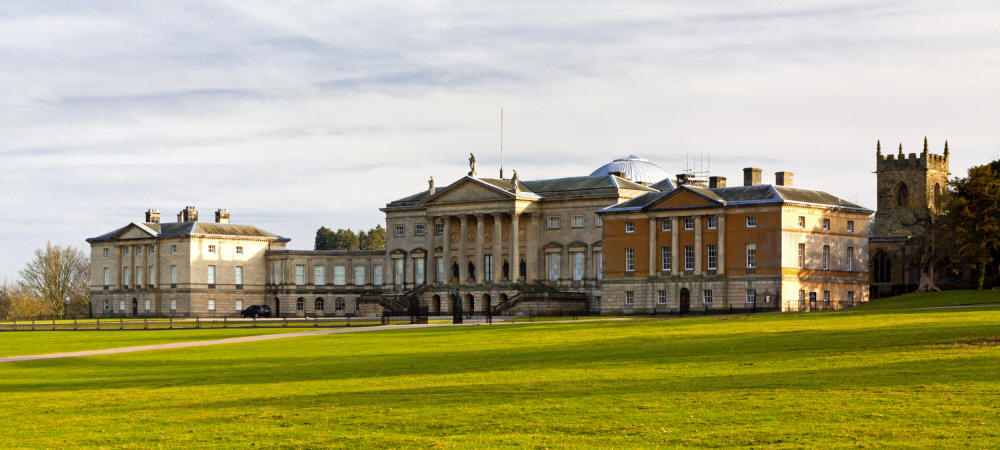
x=628, y=238
x=909, y=191
x=720, y=247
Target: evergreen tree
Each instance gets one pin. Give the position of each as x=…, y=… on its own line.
x=973, y=224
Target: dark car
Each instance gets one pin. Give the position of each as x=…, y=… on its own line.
x=256, y=311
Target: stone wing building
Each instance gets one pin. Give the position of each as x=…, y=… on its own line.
x=770, y=246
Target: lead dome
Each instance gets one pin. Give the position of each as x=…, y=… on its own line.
x=635, y=168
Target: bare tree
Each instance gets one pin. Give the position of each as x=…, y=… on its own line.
x=58, y=277
x=17, y=303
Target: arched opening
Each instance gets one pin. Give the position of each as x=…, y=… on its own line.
x=468, y=305
x=135, y=307
x=902, y=195
x=277, y=307
x=487, y=302
x=300, y=304
x=685, y=301
x=319, y=304
x=881, y=267
x=502, y=299
x=435, y=306
x=340, y=304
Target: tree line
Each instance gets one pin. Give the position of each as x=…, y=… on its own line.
x=373, y=239
x=55, y=283
x=964, y=232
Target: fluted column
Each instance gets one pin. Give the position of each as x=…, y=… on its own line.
x=480, y=230
x=497, y=249
x=531, y=249
x=697, y=245
x=430, y=266
x=515, y=247
x=463, y=249
x=721, y=248
x=446, y=248
x=652, y=246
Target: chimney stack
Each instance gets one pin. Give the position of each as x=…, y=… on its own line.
x=682, y=179
x=783, y=178
x=751, y=176
x=716, y=182
x=188, y=214
x=152, y=216
x=222, y=216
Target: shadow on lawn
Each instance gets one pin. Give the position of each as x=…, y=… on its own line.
x=863, y=359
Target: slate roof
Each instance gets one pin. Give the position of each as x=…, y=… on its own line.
x=538, y=188
x=173, y=229
x=665, y=184
x=743, y=195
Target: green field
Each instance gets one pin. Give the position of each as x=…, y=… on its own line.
x=871, y=377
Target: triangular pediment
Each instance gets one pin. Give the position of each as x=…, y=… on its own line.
x=682, y=198
x=133, y=231
x=468, y=190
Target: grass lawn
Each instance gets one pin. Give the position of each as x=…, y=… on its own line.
x=862, y=378
x=16, y=343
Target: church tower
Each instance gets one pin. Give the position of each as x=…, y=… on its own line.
x=909, y=191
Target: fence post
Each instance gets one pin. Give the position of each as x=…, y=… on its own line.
x=197, y=322
x=254, y=322
x=98, y=323
x=316, y=321
x=171, y=322
x=145, y=323
x=74, y=323
x=284, y=321
x=121, y=324
x=225, y=322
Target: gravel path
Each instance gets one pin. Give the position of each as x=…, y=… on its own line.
x=236, y=340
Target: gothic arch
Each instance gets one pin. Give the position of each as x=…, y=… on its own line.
x=902, y=195
x=881, y=267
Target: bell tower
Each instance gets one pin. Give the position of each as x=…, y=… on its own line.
x=909, y=191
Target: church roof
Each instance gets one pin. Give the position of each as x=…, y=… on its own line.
x=635, y=168
x=174, y=229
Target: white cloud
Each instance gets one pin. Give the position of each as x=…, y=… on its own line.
x=300, y=114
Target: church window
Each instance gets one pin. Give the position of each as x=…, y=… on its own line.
x=630, y=227
x=881, y=267
x=902, y=195
x=751, y=221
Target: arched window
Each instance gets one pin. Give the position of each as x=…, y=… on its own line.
x=300, y=304
x=319, y=304
x=881, y=267
x=902, y=195
x=340, y=304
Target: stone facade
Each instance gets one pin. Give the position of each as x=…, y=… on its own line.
x=308, y=283
x=183, y=269
x=763, y=246
x=909, y=188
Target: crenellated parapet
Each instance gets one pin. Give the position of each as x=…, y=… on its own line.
x=901, y=161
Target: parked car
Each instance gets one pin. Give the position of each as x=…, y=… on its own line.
x=256, y=311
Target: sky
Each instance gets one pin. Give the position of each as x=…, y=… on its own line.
x=300, y=114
